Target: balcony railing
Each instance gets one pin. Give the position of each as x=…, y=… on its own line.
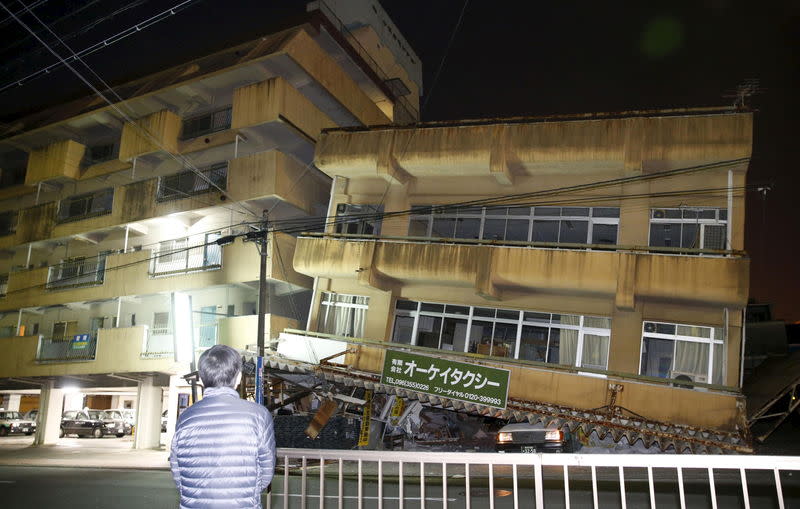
x=82, y=347
x=208, y=123
x=3, y=285
x=186, y=255
x=86, y=205
x=158, y=343
x=190, y=183
x=8, y=222
x=77, y=272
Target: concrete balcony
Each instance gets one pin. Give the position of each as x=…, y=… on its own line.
x=132, y=273
x=57, y=160
x=270, y=175
x=623, y=274
x=156, y=132
x=116, y=351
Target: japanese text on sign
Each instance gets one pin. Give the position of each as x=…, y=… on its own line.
x=446, y=378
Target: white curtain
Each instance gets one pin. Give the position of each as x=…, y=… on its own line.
x=595, y=351
x=691, y=359
x=568, y=347
x=340, y=317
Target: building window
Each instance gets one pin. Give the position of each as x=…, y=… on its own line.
x=79, y=271
x=359, y=219
x=684, y=352
x=101, y=153
x=342, y=315
x=10, y=177
x=560, y=225
x=690, y=228
x=161, y=324
x=64, y=331
x=189, y=183
x=207, y=123
x=573, y=340
x=86, y=205
x=188, y=254
x=8, y=222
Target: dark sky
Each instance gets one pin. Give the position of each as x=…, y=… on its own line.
x=507, y=59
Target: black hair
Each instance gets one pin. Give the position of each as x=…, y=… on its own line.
x=219, y=365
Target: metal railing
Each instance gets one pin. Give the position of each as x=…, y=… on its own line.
x=77, y=272
x=68, y=349
x=191, y=183
x=337, y=478
x=75, y=208
x=3, y=285
x=186, y=255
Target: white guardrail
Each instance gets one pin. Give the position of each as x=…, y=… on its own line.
x=406, y=479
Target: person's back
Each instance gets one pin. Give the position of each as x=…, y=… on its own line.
x=223, y=451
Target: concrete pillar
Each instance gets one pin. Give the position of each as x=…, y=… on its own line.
x=50, y=406
x=172, y=407
x=12, y=402
x=148, y=421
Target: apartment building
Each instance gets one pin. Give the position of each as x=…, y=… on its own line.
x=109, y=207
x=598, y=260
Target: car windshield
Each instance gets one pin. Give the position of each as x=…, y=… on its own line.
x=11, y=415
x=97, y=414
x=112, y=414
x=69, y=415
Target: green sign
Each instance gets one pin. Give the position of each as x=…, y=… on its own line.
x=446, y=378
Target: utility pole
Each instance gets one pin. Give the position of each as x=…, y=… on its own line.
x=262, y=310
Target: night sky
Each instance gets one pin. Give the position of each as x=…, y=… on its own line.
x=506, y=59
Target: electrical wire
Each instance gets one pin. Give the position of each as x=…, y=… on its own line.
x=183, y=161
x=34, y=5
x=133, y=29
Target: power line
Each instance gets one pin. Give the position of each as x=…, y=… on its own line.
x=133, y=29
x=182, y=160
x=34, y=5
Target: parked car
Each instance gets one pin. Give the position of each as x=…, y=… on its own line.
x=14, y=423
x=531, y=438
x=130, y=416
x=92, y=422
x=32, y=415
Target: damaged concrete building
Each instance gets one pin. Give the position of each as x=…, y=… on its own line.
x=597, y=260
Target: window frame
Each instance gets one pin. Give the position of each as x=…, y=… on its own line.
x=712, y=341
x=701, y=223
x=520, y=321
x=329, y=304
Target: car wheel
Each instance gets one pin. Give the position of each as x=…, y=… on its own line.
x=120, y=435
x=3, y=431
x=61, y=433
x=28, y=434
x=97, y=433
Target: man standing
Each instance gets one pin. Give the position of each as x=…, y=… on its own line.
x=223, y=451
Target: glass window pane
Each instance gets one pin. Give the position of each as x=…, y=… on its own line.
x=547, y=211
x=403, y=328
x=496, y=211
x=563, y=347
x=605, y=212
x=519, y=211
x=545, y=231
x=537, y=317
x=575, y=211
x=533, y=343
x=406, y=304
x=457, y=310
x=508, y=314
x=567, y=319
x=418, y=227
x=697, y=332
x=665, y=234
x=691, y=359
x=665, y=328
x=494, y=229
x=657, y=357
x=574, y=231
x=672, y=213
x=719, y=334
x=454, y=334
x=597, y=322
x=488, y=312
x=436, y=308
x=690, y=237
x=504, y=340
x=690, y=214
x=469, y=211
x=428, y=331
x=468, y=228
x=723, y=214
x=517, y=229
x=420, y=209
x=707, y=214
x=595, y=351
x=718, y=365
x=604, y=234
x=443, y=227
x=480, y=337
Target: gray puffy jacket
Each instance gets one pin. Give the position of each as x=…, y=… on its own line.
x=223, y=452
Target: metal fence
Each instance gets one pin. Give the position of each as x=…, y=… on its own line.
x=187, y=255
x=72, y=349
x=405, y=479
x=191, y=183
x=77, y=272
x=85, y=205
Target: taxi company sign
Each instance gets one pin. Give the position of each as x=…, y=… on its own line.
x=79, y=341
x=446, y=378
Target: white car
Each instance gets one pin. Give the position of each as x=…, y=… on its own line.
x=13, y=423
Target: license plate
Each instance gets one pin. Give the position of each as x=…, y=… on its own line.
x=528, y=448
x=25, y=430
